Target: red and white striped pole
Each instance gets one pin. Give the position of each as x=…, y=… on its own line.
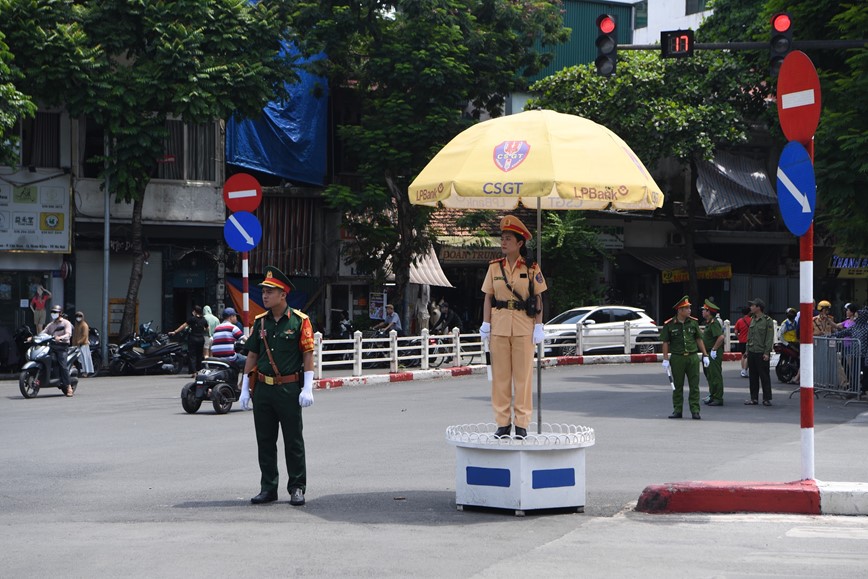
x=806, y=344
x=245, y=294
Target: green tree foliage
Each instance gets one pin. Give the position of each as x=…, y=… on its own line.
x=682, y=109
x=130, y=64
x=13, y=106
x=422, y=70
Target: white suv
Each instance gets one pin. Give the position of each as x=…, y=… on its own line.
x=603, y=330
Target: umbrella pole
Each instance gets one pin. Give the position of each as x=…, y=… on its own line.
x=541, y=345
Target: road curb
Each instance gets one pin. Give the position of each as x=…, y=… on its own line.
x=800, y=497
x=407, y=375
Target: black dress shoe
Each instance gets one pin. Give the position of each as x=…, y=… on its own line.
x=264, y=497
x=675, y=415
x=296, y=497
x=695, y=416
x=520, y=432
x=503, y=430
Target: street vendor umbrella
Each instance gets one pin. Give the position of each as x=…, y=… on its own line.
x=544, y=160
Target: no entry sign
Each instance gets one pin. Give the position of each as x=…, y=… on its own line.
x=798, y=97
x=242, y=192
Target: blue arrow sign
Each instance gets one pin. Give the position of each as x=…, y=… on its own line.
x=242, y=231
x=797, y=189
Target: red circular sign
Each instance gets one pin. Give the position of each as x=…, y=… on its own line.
x=242, y=192
x=798, y=97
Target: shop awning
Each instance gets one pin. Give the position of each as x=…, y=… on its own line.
x=673, y=265
x=732, y=181
x=426, y=271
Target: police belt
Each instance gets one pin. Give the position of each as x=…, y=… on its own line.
x=685, y=354
x=508, y=304
x=273, y=380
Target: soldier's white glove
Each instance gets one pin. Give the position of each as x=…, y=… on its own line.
x=305, y=398
x=714, y=354
x=665, y=364
x=245, y=393
x=538, y=334
x=485, y=330
x=706, y=361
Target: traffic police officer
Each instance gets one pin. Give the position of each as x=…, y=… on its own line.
x=279, y=347
x=681, y=340
x=512, y=321
x=712, y=337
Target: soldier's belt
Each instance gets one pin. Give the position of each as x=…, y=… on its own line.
x=509, y=304
x=272, y=380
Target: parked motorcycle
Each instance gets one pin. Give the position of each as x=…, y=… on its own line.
x=147, y=353
x=217, y=381
x=788, y=361
x=39, y=371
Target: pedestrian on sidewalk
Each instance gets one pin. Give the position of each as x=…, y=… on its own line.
x=681, y=342
x=760, y=343
x=512, y=322
x=81, y=338
x=712, y=337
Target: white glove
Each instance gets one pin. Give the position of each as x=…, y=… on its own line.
x=665, y=364
x=714, y=354
x=305, y=398
x=485, y=330
x=538, y=334
x=706, y=361
x=245, y=393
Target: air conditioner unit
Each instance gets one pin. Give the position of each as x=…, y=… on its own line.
x=675, y=238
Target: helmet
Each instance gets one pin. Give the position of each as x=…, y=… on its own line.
x=791, y=311
x=824, y=304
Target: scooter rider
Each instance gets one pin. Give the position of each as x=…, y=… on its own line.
x=226, y=334
x=61, y=330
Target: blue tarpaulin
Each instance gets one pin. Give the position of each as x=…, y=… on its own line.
x=289, y=139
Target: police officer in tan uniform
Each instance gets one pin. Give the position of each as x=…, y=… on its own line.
x=512, y=321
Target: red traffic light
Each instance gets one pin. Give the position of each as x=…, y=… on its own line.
x=781, y=22
x=605, y=24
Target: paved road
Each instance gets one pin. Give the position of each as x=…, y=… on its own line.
x=119, y=481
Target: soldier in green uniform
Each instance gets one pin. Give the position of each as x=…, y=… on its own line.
x=280, y=366
x=713, y=338
x=681, y=341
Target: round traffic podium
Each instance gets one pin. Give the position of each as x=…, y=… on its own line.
x=541, y=471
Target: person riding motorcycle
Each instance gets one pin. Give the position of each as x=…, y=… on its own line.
x=61, y=330
x=226, y=334
x=788, y=332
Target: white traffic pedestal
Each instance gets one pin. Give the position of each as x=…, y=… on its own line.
x=542, y=471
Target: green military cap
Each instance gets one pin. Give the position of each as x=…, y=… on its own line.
x=709, y=305
x=682, y=303
x=276, y=278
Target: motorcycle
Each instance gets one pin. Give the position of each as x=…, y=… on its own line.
x=217, y=381
x=788, y=361
x=147, y=353
x=39, y=371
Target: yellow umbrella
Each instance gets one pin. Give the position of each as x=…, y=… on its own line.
x=566, y=161
x=543, y=159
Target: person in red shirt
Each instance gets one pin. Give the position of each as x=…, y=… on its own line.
x=37, y=306
x=741, y=328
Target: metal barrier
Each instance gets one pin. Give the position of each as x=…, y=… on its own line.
x=837, y=366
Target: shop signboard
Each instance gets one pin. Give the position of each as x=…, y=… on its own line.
x=35, y=216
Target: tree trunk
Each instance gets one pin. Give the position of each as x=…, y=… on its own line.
x=128, y=322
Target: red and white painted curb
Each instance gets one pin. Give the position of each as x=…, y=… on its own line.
x=806, y=497
x=404, y=376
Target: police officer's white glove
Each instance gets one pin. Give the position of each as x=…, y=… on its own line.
x=305, y=399
x=714, y=354
x=665, y=364
x=706, y=361
x=245, y=393
x=538, y=333
x=485, y=330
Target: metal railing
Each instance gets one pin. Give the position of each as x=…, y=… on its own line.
x=837, y=366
